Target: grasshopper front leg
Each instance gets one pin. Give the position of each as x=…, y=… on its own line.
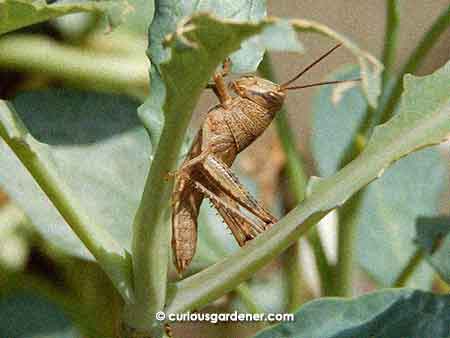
x=219, y=87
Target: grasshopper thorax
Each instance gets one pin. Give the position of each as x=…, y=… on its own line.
x=261, y=91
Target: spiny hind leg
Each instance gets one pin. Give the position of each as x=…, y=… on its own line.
x=242, y=227
x=229, y=185
x=242, y=220
x=226, y=182
x=239, y=225
x=223, y=207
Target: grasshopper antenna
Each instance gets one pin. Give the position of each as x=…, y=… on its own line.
x=284, y=85
x=320, y=84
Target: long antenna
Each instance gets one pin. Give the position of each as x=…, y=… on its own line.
x=321, y=84
x=284, y=85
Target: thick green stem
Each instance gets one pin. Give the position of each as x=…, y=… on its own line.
x=323, y=266
x=298, y=181
x=415, y=60
x=151, y=228
x=113, y=259
x=293, y=272
x=342, y=280
x=170, y=105
x=390, y=38
x=85, y=68
x=151, y=235
x=348, y=213
x=348, y=220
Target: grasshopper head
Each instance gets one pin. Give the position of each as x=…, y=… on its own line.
x=263, y=92
x=271, y=95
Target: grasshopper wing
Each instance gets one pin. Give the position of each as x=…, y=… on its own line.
x=186, y=205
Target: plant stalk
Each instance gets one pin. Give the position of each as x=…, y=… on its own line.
x=348, y=221
x=390, y=38
x=41, y=55
x=298, y=181
x=348, y=213
x=414, y=61
x=113, y=259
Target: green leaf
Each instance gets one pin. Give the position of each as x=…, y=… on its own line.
x=15, y=14
x=140, y=17
x=26, y=315
x=423, y=119
x=87, y=182
x=96, y=145
x=92, y=302
x=391, y=204
x=79, y=287
x=433, y=237
x=170, y=12
x=387, y=314
x=336, y=114
x=390, y=208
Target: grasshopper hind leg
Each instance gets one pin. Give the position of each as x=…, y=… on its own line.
x=228, y=184
x=242, y=227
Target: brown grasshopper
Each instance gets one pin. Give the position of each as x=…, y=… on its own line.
x=228, y=129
